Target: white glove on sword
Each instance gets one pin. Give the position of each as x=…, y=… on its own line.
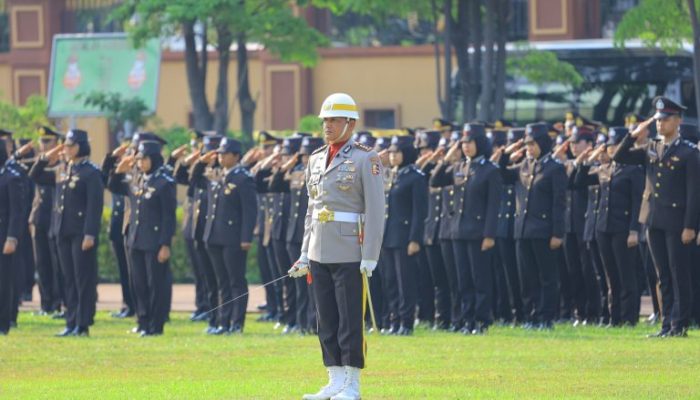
x=300, y=268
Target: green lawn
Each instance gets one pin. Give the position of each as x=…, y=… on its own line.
x=186, y=364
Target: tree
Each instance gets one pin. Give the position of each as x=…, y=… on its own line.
x=541, y=67
x=124, y=116
x=664, y=24
x=221, y=23
x=25, y=120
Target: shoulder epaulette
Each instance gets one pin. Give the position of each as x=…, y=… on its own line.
x=362, y=147
x=320, y=149
x=689, y=144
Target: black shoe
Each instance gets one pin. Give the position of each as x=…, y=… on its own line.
x=290, y=329
x=660, y=334
x=262, y=307
x=678, y=332
x=545, y=326
x=217, y=331
x=454, y=328
x=653, y=319
x=467, y=328
x=124, y=313
x=84, y=332
x=441, y=326
x=236, y=330
x=66, y=332
x=481, y=329
x=201, y=316
x=59, y=315
x=404, y=331
x=268, y=317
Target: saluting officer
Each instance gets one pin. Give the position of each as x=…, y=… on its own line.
x=673, y=209
x=20, y=256
x=540, y=184
x=265, y=255
x=10, y=228
x=690, y=133
x=617, y=228
x=581, y=272
x=345, y=189
x=404, y=229
x=45, y=250
x=229, y=230
x=80, y=192
x=478, y=184
x=505, y=243
x=199, y=220
x=182, y=177
x=151, y=227
x=116, y=236
x=427, y=143
x=446, y=231
x=290, y=178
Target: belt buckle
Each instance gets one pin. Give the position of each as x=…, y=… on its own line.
x=326, y=215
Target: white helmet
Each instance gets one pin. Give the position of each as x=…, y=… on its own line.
x=339, y=105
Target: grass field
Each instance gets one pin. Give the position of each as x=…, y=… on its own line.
x=186, y=364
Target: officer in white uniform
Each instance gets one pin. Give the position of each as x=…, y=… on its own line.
x=342, y=236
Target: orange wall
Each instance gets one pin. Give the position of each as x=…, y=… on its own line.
x=407, y=83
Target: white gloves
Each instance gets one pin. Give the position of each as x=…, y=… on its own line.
x=367, y=266
x=300, y=268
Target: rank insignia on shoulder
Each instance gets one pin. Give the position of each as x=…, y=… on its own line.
x=362, y=147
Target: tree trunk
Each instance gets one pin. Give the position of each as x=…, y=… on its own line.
x=436, y=50
x=460, y=38
x=196, y=78
x=245, y=100
x=487, y=83
x=696, y=53
x=499, y=102
x=449, y=112
x=475, y=80
x=221, y=116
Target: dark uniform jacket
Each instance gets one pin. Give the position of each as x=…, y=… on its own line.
x=79, y=196
x=11, y=221
x=506, y=213
x=672, y=182
x=232, y=207
x=576, y=204
x=477, y=186
x=540, y=187
x=266, y=204
x=153, y=202
x=432, y=219
x=584, y=179
x=620, y=196
x=407, y=208
x=293, y=183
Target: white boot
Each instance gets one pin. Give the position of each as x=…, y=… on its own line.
x=351, y=389
x=336, y=382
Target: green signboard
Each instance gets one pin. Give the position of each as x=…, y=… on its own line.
x=82, y=64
